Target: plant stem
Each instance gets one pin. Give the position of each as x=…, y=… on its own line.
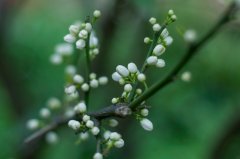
x=88, y=69
x=191, y=51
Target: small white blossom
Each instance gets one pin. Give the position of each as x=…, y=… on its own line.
x=156, y=27
x=86, y=118
x=78, y=79
x=115, y=136
x=113, y=122
x=144, y=112
x=186, y=76
x=33, y=124
x=64, y=49
x=103, y=80
x=51, y=138
x=146, y=40
x=96, y=13
x=159, y=50
x=74, y=124
x=128, y=88
x=72, y=96
x=141, y=77
x=92, y=75
x=160, y=63
x=74, y=29
x=170, y=12
x=84, y=136
x=69, y=38
x=90, y=124
x=123, y=71
x=98, y=156
x=70, y=70
x=190, y=36
x=116, y=76
x=88, y=27
x=107, y=134
x=80, y=108
x=83, y=34
x=146, y=124
x=119, y=143
x=54, y=103
x=152, y=60
x=152, y=20
x=95, y=130
x=168, y=40
x=85, y=87
x=70, y=89
x=45, y=113
x=56, y=59
x=132, y=67
x=94, y=83
x=114, y=100
x=80, y=44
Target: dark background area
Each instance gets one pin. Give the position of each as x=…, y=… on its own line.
x=194, y=120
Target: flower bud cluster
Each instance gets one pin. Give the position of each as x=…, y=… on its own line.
x=113, y=139
x=141, y=115
x=61, y=51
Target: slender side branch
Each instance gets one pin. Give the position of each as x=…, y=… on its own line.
x=191, y=51
x=88, y=68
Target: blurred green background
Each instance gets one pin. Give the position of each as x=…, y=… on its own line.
x=190, y=119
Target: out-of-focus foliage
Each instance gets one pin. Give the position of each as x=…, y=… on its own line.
x=188, y=117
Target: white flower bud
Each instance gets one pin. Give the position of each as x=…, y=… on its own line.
x=78, y=79
x=70, y=89
x=160, y=63
x=173, y=18
x=186, y=76
x=85, y=87
x=94, y=83
x=69, y=38
x=56, y=59
x=170, y=12
x=119, y=143
x=74, y=124
x=156, y=27
x=69, y=113
x=95, y=130
x=123, y=71
x=128, y=88
x=80, y=108
x=144, y=112
x=80, y=44
x=90, y=124
x=95, y=51
x=33, y=124
x=152, y=20
x=121, y=81
x=45, y=113
x=168, y=40
x=146, y=124
x=88, y=27
x=96, y=13
x=114, y=100
x=132, y=67
x=141, y=77
x=146, y=40
x=74, y=29
x=70, y=70
x=53, y=103
x=164, y=33
x=84, y=136
x=98, y=156
x=152, y=60
x=106, y=135
x=159, y=50
x=116, y=76
x=51, y=138
x=64, y=49
x=93, y=76
x=103, y=80
x=115, y=136
x=190, y=36
x=139, y=91
x=93, y=41
x=113, y=122
x=86, y=118
x=83, y=34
